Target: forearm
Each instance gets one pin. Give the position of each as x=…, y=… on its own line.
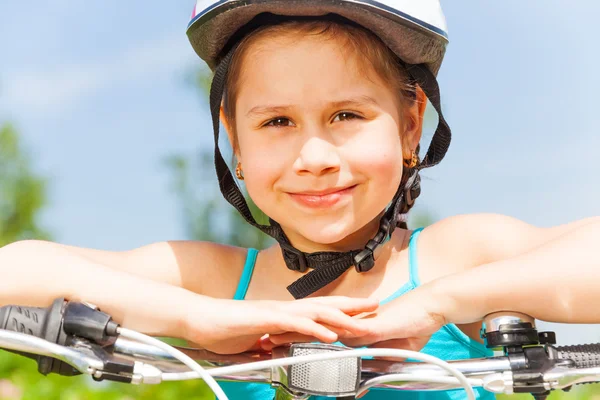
x=558, y=281
x=155, y=261
x=36, y=276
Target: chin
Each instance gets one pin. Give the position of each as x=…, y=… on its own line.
x=325, y=238
x=327, y=233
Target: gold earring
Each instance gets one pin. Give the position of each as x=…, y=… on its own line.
x=238, y=171
x=412, y=161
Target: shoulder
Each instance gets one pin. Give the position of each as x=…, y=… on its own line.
x=207, y=268
x=476, y=239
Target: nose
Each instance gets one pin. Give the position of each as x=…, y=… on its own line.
x=317, y=157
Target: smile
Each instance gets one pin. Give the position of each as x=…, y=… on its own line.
x=324, y=198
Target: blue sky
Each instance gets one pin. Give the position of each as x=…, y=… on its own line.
x=99, y=92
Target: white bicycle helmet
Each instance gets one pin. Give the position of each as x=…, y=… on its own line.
x=415, y=30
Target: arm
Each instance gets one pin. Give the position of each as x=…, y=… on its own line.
x=34, y=276
x=187, y=264
x=555, y=281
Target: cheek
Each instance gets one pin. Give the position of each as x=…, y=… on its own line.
x=262, y=168
x=377, y=154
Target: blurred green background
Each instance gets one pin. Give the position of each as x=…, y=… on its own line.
x=109, y=154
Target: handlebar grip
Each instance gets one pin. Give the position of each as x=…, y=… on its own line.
x=29, y=320
x=584, y=356
x=45, y=323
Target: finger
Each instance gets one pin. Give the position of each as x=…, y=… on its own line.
x=256, y=346
x=337, y=319
x=266, y=344
x=294, y=337
x=347, y=305
x=291, y=337
x=374, y=335
x=306, y=321
x=305, y=326
x=359, y=341
x=382, y=331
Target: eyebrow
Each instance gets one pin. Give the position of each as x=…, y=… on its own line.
x=351, y=102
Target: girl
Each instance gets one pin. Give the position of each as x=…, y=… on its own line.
x=323, y=104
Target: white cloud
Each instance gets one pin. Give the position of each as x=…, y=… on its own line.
x=55, y=89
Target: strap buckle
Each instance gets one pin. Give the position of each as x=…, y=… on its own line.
x=365, y=260
x=300, y=263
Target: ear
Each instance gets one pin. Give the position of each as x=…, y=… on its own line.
x=414, y=123
x=230, y=135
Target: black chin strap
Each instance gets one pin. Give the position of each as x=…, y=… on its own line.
x=328, y=266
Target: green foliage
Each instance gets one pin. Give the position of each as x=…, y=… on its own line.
x=28, y=384
x=22, y=192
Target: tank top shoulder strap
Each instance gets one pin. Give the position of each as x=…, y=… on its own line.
x=242, y=288
x=413, y=269
x=413, y=259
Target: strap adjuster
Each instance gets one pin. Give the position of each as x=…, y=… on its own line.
x=364, y=261
x=300, y=265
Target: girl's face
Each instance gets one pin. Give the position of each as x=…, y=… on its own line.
x=320, y=140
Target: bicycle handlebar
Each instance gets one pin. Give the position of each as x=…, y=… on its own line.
x=72, y=338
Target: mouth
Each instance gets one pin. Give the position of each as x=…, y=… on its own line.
x=322, y=198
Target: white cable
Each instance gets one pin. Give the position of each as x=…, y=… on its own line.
x=193, y=365
x=396, y=353
x=450, y=380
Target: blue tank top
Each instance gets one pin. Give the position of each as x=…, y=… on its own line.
x=448, y=343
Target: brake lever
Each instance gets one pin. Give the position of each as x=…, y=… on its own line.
x=114, y=367
x=86, y=363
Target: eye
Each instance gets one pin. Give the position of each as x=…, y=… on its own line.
x=279, y=122
x=346, y=116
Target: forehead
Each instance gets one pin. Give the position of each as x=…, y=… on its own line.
x=293, y=67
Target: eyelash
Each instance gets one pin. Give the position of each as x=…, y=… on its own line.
x=270, y=123
x=347, y=113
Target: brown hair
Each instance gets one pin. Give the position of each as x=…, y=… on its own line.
x=375, y=56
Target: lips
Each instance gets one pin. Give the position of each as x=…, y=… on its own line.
x=322, y=198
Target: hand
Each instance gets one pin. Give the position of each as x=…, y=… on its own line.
x=406, y=323
x=232, y=326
